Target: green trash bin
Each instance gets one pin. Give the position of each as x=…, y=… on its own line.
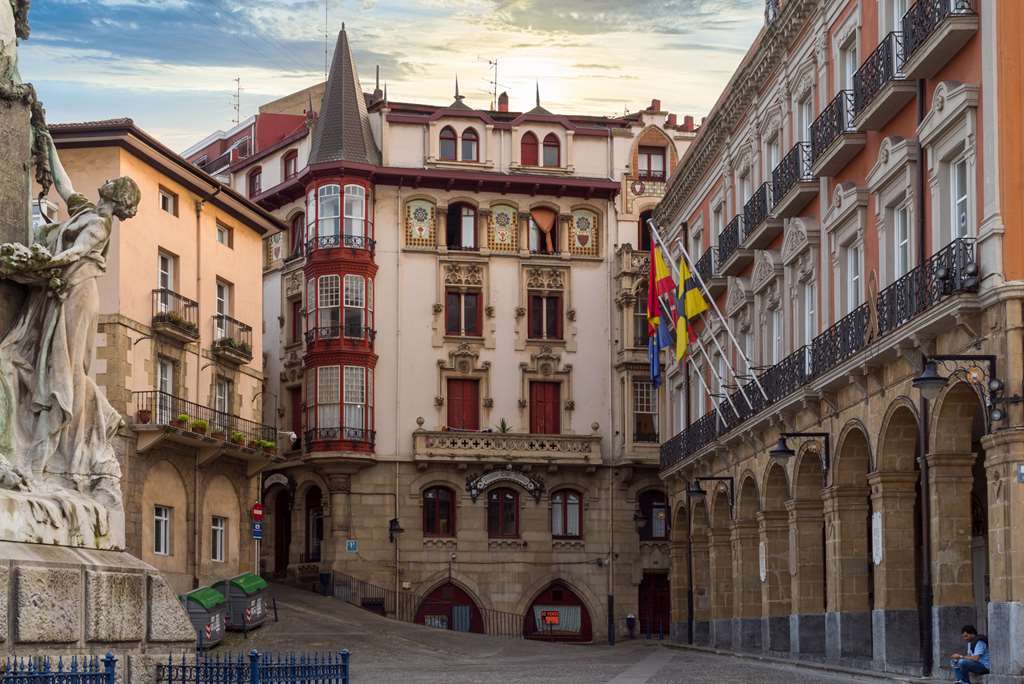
x=246, y=601
x=207, y=610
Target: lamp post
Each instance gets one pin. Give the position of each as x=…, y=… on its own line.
x=782, y=452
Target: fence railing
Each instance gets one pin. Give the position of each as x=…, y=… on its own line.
x=336, y=241
x=170, y=308
x=834, y=120
x=256, y=668
x=755, y=211
x=794, y=168
x=707, y=265
x=925, y=17
x=340, y=434
x=882, y=66
x=160, y=408
x=730, y=239
x=950, y=271
x=47, y=670
x=232, y=334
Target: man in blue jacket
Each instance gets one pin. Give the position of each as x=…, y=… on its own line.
x=976, y=659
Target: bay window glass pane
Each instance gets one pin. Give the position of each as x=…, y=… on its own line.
x=329, y=299
x=355, y=211
x=355, y=397
x=329, y=211
x=328, y=397
x=355, y=301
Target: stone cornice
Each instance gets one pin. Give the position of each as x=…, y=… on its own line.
x=734, y=106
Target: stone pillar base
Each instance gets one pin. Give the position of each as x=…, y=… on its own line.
x=848, y=635
x=721, y=634
x=746, y=634
x=1006, y=642
x=896, y=641
x=57, y=600
x=679, y=632
x=807, y=634
x=775, y=634
x=702, y=633
x=946, y=639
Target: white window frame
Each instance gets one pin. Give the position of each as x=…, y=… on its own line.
x=328, y=306
x=224, y=235
x=355, y=302
x=328, y=395
x=168, y=202
x=218, y=538
x=810, y=311
x=163, y=517
x=772, y=154
x=645, y=401
x=355, y=214
x=778, y=335
x=960, y=198
x=328, y=211
x=853, y=280
x=805, y=116
x=902, y=257
x=355, y=398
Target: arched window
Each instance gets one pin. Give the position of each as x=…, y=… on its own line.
x=566, y=514
x=460, y=230
x=297, y=229
x=328, y=215
x=640, y=336
x=449, y=141
x=528, y=150
x=654, y=514
x=470, y=145
x=502, y=513
x=644, y=238
x=438, y=512
x=552, y=151
x=255, y=181
x=355, y=216
x=291, y=164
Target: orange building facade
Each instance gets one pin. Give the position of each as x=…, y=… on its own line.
x=853, y=206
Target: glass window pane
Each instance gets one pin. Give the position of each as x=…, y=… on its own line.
x=572, y=515
x=471, y=303
x=557, y=523
x=452, y=323
x=329, y=208
x=355, y=211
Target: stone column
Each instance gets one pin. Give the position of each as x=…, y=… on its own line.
x=807, y=577
x=950, y=480
x=721, y=588
x=848, y=618
x=896, y=634
x=340, y=488
x=701, y=592
x=15, y=186
x=679, y=629
x=746, y=625
x=1004, y=457
x=773, y=528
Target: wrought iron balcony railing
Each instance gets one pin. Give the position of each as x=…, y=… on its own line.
x=336, y=241
x=231, y=336
x=341, y=434
x=882, y=66
x=755, y=211
x=164, y=409
x=730, y=239
x=707, y=265
x=834, y=120
x=179, y=313
x=794, y=168
x=924, y=18
x=950, y=271
x=346, y=332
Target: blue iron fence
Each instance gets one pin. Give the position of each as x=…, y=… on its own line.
x=43, y=670
x=256, y=668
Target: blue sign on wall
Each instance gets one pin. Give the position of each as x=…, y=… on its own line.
x=352, y=545
x=257, y=529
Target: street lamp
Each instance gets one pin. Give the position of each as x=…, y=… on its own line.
x=782, y=452
x=980, y=374
x=698, y=492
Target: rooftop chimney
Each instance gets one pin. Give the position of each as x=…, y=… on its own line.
x=655, y=105
x=671, y=120
x=503, y=102
x=688, y=123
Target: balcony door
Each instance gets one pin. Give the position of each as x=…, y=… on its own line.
x=545, y=408
x=223, y=308
x=165, y=386
x=464, y=404
x=165, y=282
x=222, y=403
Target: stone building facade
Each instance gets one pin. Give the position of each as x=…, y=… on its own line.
x=852, y=203
x=179, y=336
x=472, y=429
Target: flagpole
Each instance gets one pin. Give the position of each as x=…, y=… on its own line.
x=714, y=304
x=721, y=383
x=707, y=390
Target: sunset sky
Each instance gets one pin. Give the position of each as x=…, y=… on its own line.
x=171, y=64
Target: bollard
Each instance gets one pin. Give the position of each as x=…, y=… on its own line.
x=109, y=666
x=275, y=608
x=254, y=667
x=344, y=665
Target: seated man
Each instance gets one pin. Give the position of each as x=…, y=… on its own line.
x=976, y=659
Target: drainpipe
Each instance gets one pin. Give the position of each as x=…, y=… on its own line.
x=398, y=375
x=924, y=613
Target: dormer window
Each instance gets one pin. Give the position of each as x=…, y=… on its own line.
x=552, y=150
x=528, y=150
x=291, y=164
x=470, y=145
x=651, y=163
x=255, y=181
x=449, y=142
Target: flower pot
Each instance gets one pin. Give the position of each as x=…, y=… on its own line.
x=199, y=429
x=144, y=416
x=178, y=423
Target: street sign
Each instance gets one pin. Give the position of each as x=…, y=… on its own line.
x=352, y=545
x=257, y=529
x=550, y=617
x=257, y=511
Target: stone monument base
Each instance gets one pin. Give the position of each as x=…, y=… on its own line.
x=57, y=600
x=62, y=518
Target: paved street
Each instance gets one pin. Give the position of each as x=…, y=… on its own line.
x=384, y=651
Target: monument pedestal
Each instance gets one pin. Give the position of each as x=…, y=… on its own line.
x=60, y=600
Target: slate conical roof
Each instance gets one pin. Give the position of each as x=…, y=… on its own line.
x=342, y=131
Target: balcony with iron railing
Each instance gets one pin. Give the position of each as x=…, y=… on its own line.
x=351, y=334
x=232, y=339
x=340, y=439
x=934, y=31
x=707, y=268
x=834, y=138
x=931, y=288
x=505, y=447
x=793, y=183
x=733, y=255
x=354, y=237
x=759, y=225
x=160, y=417
x=175, y=316
x=880, y=88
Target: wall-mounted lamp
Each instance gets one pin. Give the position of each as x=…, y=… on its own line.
x=980, y=373
x=782, y=452
x=695, y=491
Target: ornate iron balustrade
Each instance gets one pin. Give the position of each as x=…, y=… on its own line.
x=882, y=66
x=335, y=332
x=707, y=265
x=950, y=270
x=730, y=239
x=164, y=409
x=170, y=308
x=794, y=168
x=336, y=241
x=834, y=120
x=922, y=20
x=755, y=211
x=231, y=335
x=341, y=434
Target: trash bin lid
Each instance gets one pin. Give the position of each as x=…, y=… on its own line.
x=207, y=597
x=249, y=583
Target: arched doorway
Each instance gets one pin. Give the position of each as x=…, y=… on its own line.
x=809, y=582
x=654, y=603
x=747, y=607
x=449, y=607
x=280, y=513
x=721, y=570
x=314, y=524
x=775, y=588
x=557, y=614
x=701, y=573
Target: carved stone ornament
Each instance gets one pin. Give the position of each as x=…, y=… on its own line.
x=293, y=284
x=805, y=268
x=743, y=320
x=463, y=274
x=772, y=297
x=545, y=278
x=464, y=359
x=477, y=484
x=794, y=242
x=765, y=269
x=546, y=361
x=737, y=295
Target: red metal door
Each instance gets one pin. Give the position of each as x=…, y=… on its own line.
x=545, y=409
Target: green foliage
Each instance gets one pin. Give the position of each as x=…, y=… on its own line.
x=183, y=418
x=504, y=427
x=200, y=424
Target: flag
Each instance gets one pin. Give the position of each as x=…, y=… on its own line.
x=690, y=304
x=661, y=310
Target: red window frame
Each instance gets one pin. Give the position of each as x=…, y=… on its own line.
x=551, y=142
x=255, y=180
x=298, y=234
x=647, y=171
x=448, y=136
x=437, y=504
x=564, y=504
x=290, y=163
x=455, y=304
x=498, y=503
x=528, y=149
x=543, y=310
x=545, y=407
x=463, y=403
x=471, y=135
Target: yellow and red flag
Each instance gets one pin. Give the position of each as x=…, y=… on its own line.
x=690, y=304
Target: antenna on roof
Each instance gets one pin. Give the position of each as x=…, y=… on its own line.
x=493, y=63
x=238, y=100
x=325, y=40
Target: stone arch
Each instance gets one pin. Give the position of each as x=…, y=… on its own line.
x=575, y=619
x=679, y=571
x=775, y=488
x=776, y=585
x=721, y=568
x=468, y=200
x=746, y=569
x=852, y=457
x=220, y=499
x=808, y=579
x=897, y=439
x=165, y=486
x=449, y=605
x=807, y=474
x=748, y=502
x=699, y=530
x=953, y=418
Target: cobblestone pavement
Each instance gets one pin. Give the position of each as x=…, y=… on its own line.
x=386, y=651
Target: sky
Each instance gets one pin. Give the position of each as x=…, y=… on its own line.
x=171, y=65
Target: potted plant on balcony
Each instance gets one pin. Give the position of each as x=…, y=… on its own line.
x=237, y=438
x=503, y=427
x=199, y=426
x=143, y=416
x=268, y=446
x=219, y=432
x=255, y=443
x=181, y=421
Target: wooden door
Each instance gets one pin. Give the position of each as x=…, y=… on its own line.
x=654, y=604
x=545, y=408
x=464, y=404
